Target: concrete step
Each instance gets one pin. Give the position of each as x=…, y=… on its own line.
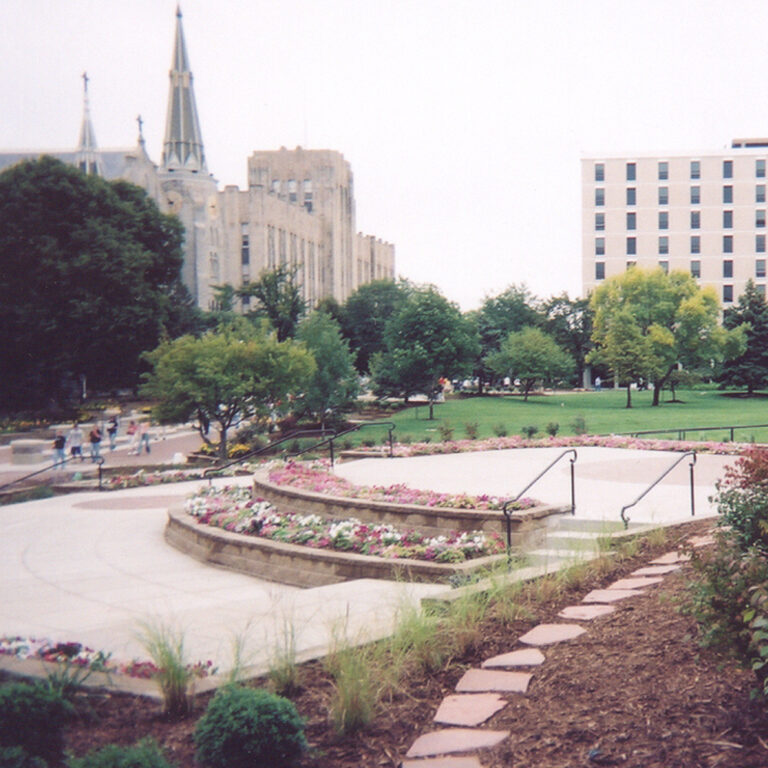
x=567, y=523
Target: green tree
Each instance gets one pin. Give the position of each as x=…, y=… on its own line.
x=278, y=300
x=750, y=369
x=530, y=355
x=365, y=314
x=677, y=320
x=235, y=373
x=569, y=322
x=427, y=339
x=334, y=383
x=89, y=279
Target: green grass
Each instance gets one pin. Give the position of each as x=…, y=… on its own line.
x=604, y=412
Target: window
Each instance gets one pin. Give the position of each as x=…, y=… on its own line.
x=664, y=266
x=663, y=195
x=727, y=294
x=631, y=220
x=599, y=196
x=631, y=264
x=727, y=169
x=759, y=267
x=727, y=267
x=695, y=268
x=631, y=170
x=727, y=219
x=292, y=196
x=599, y=222
x=760, y=169
x=631, y=246
x=759, y=243
x=599, y=172
x=245, y=301
x=695, y=220
x=728, y=194
x=599, y=246
x=761, y=289
x=663, y=220
x=695, y=169
x=599, y=270
x=695, y=195
x=275, y=186
x=727, y=243
x=695, y=244
x=663, y=245
x=760, y=219
x=308, y=194
x=663, y=170
x=631, y=196
x=760, y=193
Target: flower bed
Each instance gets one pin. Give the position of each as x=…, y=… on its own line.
x=234, y=509
x=141, y=478
x=78, y=655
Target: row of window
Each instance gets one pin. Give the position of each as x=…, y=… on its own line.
x=695, y=244
x=760, y=268
x=663, y=195
x=279, y=188
x=695, y=220
x=695, y=170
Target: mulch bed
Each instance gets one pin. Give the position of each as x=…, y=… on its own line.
x=636, y=691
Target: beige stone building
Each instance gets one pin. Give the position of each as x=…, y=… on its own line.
x=298, y=209
x=704, y=213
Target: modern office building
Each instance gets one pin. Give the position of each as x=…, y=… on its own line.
x=298, y=210
x=704, y=213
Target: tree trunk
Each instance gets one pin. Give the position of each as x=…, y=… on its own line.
x=629, y=395
x=431, y=409
x=223, y=443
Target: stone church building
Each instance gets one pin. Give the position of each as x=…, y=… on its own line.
x=298, y=210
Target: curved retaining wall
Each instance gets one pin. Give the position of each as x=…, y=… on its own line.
x=297, y=565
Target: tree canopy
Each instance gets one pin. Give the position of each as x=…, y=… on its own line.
x=750, y=369
x=278, y=299
x=89, y=279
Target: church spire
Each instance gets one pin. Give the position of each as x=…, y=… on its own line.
x=87, y=152
x=183, y=145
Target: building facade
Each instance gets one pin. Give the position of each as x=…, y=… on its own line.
x=298, y=210
x=702, y=213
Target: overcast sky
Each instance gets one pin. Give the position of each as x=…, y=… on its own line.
x=464, y=120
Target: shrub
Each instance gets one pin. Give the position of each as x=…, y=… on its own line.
x=145, y=754
x=17, y=757
x=368, y=442
x=246, y=727
x=500, y=430
x=446, y=431
x=579, y=426
x=33, y=717
x=355, y=691
x=552, y=428
x=471, y=429
x=530, y=430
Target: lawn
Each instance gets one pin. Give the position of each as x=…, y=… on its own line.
x=603, y=413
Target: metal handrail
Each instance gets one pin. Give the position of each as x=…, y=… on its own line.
x=692, y=454
x=390, y=428
x=682, y=430
x=509, y=502
x=58, y=465
x=208, y=473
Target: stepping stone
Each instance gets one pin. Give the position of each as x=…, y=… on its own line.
x=701, y=541
x=670, y=558
x=638, y=583
x=443, y=762
x=585, y=612
x=655, y=570
x=545, y=634
x=493, y=680
x=609, y=595
x=469, y=709
x=527, y=657
x=454, y=740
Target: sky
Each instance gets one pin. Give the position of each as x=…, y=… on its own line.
x=464, y=121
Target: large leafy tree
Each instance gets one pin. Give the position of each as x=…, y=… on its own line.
x=237, y=372
x=89, y=279
x=365, y=314
x=334, y=383
x=278, y=299
x=530, y=355
x=677, y=321
x=569, y=322
x=427, y=339
x=750, y=369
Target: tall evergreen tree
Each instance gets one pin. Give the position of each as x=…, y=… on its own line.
x=749, y=369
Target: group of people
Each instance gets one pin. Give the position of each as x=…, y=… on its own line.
x=75, y=439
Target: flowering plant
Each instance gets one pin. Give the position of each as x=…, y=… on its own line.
x=142, y=478
x=233, y=509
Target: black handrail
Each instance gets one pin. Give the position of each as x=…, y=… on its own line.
x=207, y=474
x=508, y=513
x=692, y=454
x=58, y=465
x=682, y=430
x=390, y=428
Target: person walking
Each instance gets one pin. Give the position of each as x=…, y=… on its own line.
x=143, y=437
x=75, y=441
x=112, y=432
x=133, y=433
x=94, y=438
x=59, y=454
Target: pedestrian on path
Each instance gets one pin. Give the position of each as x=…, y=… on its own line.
x=143, y=437
x=94, y=438
x=133, y=433
x=75, y=441
x=59, y=454
x=112, y=432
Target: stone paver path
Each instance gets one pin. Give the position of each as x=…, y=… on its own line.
x=470, y=708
